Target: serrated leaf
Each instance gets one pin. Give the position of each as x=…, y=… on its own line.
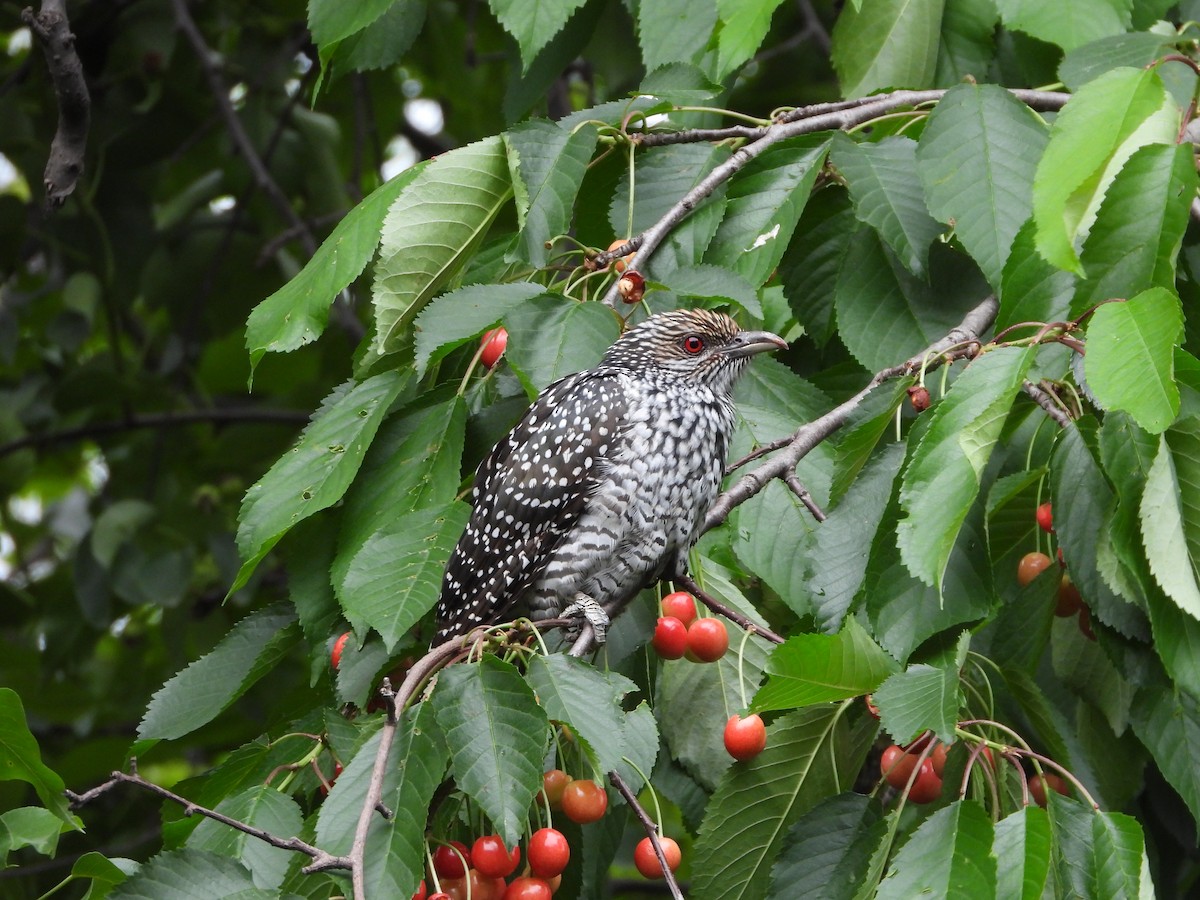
x=263, y=807
x=674, y=30
x=395, y=578
x=942, y=481
x=921, y=698
x=533, y=22
x=887, y=197
x=1130, y=363
x=764, y=203
x=1168, y=723
x=21, y=759
x=886, y=44
x=967, y=43
x=949, y=855
x=828, y=851
x=1087, y=670
x=331, y=20
x=976, y=155
x=868, y=424
x=1066, y=23
x=713, y=282
x=315, y=473
x=816, y=668
x=190, y=875
x=679, y=82
x=1170, y=515
x=1119, y=847
x=810, y=755
x=458, y=316
x=297, y=313
x=842, y=545
x=1094, y=58
x=810, y=266
x=496, y=733
x=772, y=540
x=1022, y=850
x=547, y=164
x=430, y=231
x=30, y=826
x=1086, y=151
x=383, y=44
x=551, y=337
x=743, y=26
x=1031, y=289
x=207, y=687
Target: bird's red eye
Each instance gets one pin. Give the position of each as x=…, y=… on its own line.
x=693, y=343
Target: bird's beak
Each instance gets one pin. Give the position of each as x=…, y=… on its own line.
x=747, y=343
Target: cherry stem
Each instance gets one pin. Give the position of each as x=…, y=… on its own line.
x=647, y=823
x=731, y=614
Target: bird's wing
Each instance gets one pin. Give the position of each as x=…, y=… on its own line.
x=528, y=495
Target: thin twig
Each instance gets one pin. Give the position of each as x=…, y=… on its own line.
x=802, y=494
x=731, y=614
x=1045, y=401
x=651, y=831
x=358, y=849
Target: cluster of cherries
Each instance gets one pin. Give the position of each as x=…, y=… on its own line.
x=1032, y=565
x=680, y=633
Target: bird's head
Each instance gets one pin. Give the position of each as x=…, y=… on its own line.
x=692, y=344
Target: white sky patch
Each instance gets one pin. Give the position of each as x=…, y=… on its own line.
x=401, y=155
x=8, y=173
x=764, y=237
x=222, y=204
x=19, y=42
x=26, y=510
x=425, y=115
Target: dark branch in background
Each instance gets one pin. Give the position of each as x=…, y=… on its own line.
x=321, y=860
x=65, y=165
x=651, y=831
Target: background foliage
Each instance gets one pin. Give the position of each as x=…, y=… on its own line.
x=328, y=205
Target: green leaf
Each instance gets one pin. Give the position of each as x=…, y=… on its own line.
x=828, y=851
x=190, y=875
x=842, y=545
x=1139, y=227
x=942, y=481
x=533, y=22
x=331, y=20
x=296, y=314
x=869, y=423
x=1096, y=132
x=810, y=755
x=882, y=44
x=1168, y=723
x=678, y=83
x=1119, y=847
x=1086, y=669
x=208, y=686
x=395, y=578
x=815, y=668
x=547, y=164
x=674, y=30
x=949, y=855
x=381, y=45
x=1170, y=515
x=30, y=826
x=431, y=230
x=773, y=534
x=1093, y=59
x=315, y=473
x=967, y=43
x=714, y=283
x=1031, y=289
x=765, y=200
x=975, y=158
x=887, y=197
x=921, y=698
x=1022, y=850
x=21, y=759
x=1066, y=23
x=263, y=807
x=1130, y=363
x=810, y=268
x=458, y=316
x=552, y=337
x=496, y=732
x=743, y=26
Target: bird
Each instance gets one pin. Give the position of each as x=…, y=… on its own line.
x=602, y=487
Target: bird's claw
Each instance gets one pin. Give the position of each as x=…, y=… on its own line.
x=585, y=608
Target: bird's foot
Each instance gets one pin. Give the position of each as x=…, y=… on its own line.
x=586, y=609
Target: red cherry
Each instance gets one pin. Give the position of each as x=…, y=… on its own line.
x=584, y=801
x=896, y=766
x=871, y=707
x=622, y=262
x=707, y=639
x=670, y=638
x=492, y=859
x=1045, y=518
x=337, y=770
x=440, y=895
x=449, y=864
x=631, y=287
x=646, y=859
x=525, y=888
x=1085, y=623
x=681, y=605
x=745, y=738
x=420, y=893
x=1039, y=783
x=339, y=645
x=1069, y=600
x=493, y=343
x=918, y=396
x=1031, y=566
x=553, y=783
x=480, y=887
x=927, y=787
x=938, y=758
x=548, y=852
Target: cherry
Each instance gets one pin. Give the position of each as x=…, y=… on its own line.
x=449, y=864
x=1045, y=518
x=326, y=788
x=938, y=758
x=526, y=888
x=584, y=801
x=1039, y=783
x=553, y=783
x=548, y=852
x=745, y=738
x=670, y=638
x=420, y=892
x=335, y=656
x=1085, y=623
x=646, y=859
x=1069, y=601
x=707, y=639
x=631, y=287
x=493, y=343
x=492, y=859
x=918, y=396
x=927, y=787
x=480, y=887
x=896, y=766
x=622, y=262
x=681, y=605
x=1031, y=566
x=871, y=707
x=440, y=895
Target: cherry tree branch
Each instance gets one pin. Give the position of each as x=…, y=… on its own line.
x=651, y=831
x=64, y=167
x=321, y=860
x=732, y=615
x=1043, y=399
